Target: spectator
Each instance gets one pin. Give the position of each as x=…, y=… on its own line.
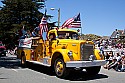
x=116, y=63
x=123, y=63
x=107, y=56
x=28, y=34
x=111, y=56
x=101, y=49
x=22, y=33
x=34, y=33
x=109, y=59
x=113, y=64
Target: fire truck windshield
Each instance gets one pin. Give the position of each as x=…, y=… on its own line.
x=67, y=35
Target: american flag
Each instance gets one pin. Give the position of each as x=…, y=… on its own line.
x=43, y=25
x=74, y=22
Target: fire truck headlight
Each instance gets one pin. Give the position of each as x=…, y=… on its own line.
x=70, y=54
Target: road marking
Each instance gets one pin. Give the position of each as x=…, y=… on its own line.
x=14, y=70
x=44, y=78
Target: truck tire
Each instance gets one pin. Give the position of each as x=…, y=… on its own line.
x=93, y=70
x=60, y=68
x=23, y=59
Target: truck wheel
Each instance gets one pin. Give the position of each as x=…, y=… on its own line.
x=60, y=68
x=93, y=70
x=23, y=61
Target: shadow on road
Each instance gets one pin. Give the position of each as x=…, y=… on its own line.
x=3, y=78
x=83, y=76
x=40, y=68
x=74, y=76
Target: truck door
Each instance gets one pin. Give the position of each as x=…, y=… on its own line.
x=51, y=44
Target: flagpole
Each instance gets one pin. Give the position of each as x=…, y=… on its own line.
x=81, y=31
x=58, y=17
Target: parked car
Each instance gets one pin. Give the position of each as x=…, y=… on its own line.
x=2, y=49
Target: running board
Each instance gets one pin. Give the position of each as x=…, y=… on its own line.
x=40, y=63
x=46, y=61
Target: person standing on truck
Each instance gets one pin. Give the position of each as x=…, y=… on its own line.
x=37, y=30
x=22, y=33
x=34, y=33
x=51, y=37
x=44, y=31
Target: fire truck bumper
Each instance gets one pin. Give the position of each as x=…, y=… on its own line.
x=79, y=64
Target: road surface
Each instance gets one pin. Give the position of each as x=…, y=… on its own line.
x=12, y=72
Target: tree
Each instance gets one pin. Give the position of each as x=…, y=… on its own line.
x=16, y=13
x=91, y=36
x=39, y=3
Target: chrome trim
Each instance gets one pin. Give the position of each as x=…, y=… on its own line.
x=73, y=44
x=86, y=50
x=85, y=63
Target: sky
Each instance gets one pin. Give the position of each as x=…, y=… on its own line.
x=99, y=17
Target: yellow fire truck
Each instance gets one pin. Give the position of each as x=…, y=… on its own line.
x=63, y=52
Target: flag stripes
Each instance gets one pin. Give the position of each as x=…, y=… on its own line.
x=43, y=25
x=67, y=23
x=74, y=22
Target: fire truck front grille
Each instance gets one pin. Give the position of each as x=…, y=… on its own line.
x=86, y=51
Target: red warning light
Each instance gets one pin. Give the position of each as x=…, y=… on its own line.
x=78, y=30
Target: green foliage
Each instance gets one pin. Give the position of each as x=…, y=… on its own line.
x=90, y=36
x=16, y=13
